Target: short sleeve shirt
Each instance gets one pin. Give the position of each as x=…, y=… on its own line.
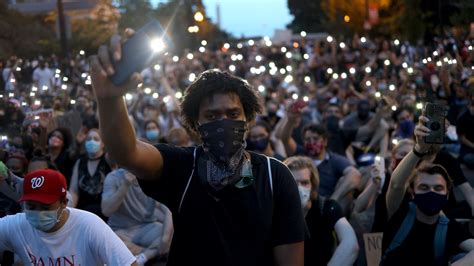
x=234, y=226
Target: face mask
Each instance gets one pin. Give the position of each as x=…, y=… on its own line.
x=152, y=134
x=92, y=147
x=406, y=128
x=258, y=145
x=332, y=123
x=382, y=86
x=313, y=149
x=434, y=81
x=55, y=142
x=304, y=195
x=43, y=220
x=419, y=80
x=430, y=203
x=223, y=140
x=271, y=114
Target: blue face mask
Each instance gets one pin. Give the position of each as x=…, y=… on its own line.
x=92, y=147
x=152, y=134
x=258, y=145
x=42, y=220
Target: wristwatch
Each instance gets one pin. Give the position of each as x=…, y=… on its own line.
x=419, y=154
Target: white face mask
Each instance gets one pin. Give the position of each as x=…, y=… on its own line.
x=304, y=195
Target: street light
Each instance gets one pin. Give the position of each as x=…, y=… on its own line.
x=347, y=18
x=198, y=16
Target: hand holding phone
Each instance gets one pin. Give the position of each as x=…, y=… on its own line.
x=298, y=106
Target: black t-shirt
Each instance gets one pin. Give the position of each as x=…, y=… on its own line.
x=235, y=226
x=319, y=248
x=464, y=127
x=418, y=246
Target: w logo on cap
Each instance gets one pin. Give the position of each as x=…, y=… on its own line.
x=37, y=182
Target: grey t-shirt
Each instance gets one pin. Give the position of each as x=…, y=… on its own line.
x=136, y=208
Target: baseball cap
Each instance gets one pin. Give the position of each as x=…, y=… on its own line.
x=45, y=186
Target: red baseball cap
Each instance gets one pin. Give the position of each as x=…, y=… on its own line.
x=45, y=186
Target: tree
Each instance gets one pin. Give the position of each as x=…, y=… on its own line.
x=308, y=16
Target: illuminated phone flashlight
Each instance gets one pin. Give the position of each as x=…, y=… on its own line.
x=262, y=68
x=378, y=94
x=24, y=104
x=342, y=45
x=4, y=138
x=258, y=58
x=303, y=34
x=12, y=80
x=11, y=95
x=335, y=76
x=128, y=97
x=455, y=61
x=233, y=57
x=88, y=82
x=307, y=79
x=251, y=42
x=386, y=62
x=157, y=45
x=268, y=43
x=329, y=71
x=45, y=88
x=18, y=68
x=84, y=75
x=439, y=63
x=429, y=59
x=175, y=58
x=391, y=87
x=232, y=68
x=37, y=102
x=81, y=52
x=226, y=46
x=65, y=79
x=377, y=158
x=368, y=83
x=155, y=95
x=1, y=96
x=283, y=49
x=239, y=45
x=58, y=71
x=363, y=39
x=289, y=79
x=396, y=42
x=288, y=68
x=189, y=56
x=56, y=76
x=192, y=77
x=282, y=71
x=203, y=42
x=395, y=141
x=352, y=70
x=32, y=94
x=306, y=98
x=178, y=95
x=404, y=65
x=147, y=90
x=394, y=108
x=410, y=70
x=73, y=101
x=306, y=56
x=294, y=96
x=156, y=67
x=240, y=57
x=368, y=70
x=419, y=106
x=37, y=117
x=425, y=61
x=166, y=99
x=202, y=49
x=261, y=88
x=435, y=53
x=329, y=38
x=343, y=75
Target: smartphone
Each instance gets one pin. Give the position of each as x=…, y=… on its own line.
x=379, y=162
x=436, y=114
x=140, y=51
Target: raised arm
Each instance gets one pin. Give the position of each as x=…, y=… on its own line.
x=119, y=136
x=400, y=177
x=284, y=129
x=113, y=196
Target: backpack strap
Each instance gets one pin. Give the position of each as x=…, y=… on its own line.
x=270, y=176
x=404, y=229
x=189, y=180
x=440, y=238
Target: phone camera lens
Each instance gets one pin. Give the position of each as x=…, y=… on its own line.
x=435, y=126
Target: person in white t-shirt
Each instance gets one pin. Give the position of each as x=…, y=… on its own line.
x=49, y=233
x=43, y=77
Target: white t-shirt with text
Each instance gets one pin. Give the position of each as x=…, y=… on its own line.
x=83, y=240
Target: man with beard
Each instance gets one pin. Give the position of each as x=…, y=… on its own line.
x=230, y=206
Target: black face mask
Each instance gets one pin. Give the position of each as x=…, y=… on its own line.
x=430, y=203
x=223, y=144
x=258, y=145
x=223, y=140
x=332, y=123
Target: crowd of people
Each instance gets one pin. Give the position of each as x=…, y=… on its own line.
x=341, y=119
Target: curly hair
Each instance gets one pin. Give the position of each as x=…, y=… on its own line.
x=210, y=83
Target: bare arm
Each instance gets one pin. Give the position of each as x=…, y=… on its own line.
x=467, y=246
x=113, y=197
x=349, y=182
x=283, y=132
x=465, y=141
x=367, y=197
x=348, y=249
x=119, y=137
x=289, y=255
x=74, y=185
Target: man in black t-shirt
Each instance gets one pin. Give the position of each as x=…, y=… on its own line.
x=417, y=232
x=230, y=206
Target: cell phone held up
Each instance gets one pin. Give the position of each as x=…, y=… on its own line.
x=436, y=114
x=297, y=106
x=139, y=51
